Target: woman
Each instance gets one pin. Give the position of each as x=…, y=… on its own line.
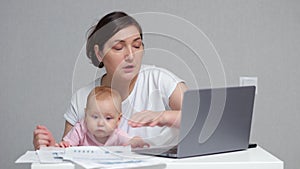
x=151, y=96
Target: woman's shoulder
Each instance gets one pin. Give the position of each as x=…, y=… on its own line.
x=153, y=69
x=157, y=76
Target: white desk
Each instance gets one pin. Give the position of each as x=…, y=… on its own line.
x=255, y=158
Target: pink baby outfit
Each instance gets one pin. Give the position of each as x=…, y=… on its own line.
x=80, y=136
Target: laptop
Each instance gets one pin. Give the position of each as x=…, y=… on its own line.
x=215, y=120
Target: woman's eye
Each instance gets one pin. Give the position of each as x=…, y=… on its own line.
x=137, y=45
x=118, y=47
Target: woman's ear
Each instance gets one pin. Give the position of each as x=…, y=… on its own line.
x=98, y=53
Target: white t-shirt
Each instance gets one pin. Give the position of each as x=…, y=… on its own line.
x=152, y=90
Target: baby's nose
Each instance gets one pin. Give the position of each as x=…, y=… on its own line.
x=101, y=122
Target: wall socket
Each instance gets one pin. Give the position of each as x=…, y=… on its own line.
x=249, y=81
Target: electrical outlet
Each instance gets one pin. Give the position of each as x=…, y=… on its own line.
x=249, y=81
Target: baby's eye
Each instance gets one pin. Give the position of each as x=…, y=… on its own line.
x=94, y=116
x=108, y=118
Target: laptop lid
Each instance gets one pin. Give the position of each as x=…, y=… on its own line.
x=215, y=120
x=212, y=121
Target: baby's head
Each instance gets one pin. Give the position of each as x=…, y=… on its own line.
x=103, y=112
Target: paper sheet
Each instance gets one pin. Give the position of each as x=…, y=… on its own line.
x=50, y=154
x=28, y=157
x=107, y=157
x=92, y=157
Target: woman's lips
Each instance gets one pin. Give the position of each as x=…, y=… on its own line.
x=128, y=69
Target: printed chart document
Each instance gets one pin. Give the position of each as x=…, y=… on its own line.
x=108, y=157
x=92, y=157
x=50, y=154
x=44, y=155
x=28, y=157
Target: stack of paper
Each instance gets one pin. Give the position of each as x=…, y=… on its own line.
x=91, y=157
x=44, y=155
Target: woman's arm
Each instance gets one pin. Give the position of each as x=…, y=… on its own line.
x=42, y=137
x=68, y=127
x=175, y=103
x=170, y=118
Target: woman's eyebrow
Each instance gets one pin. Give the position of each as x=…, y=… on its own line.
x=138, y=38
x=120, y=40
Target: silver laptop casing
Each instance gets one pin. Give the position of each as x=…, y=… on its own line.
x=214, y=121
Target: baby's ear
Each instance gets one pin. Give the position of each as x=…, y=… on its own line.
x=119, y=119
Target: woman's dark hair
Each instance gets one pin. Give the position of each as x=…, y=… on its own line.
x=107, y=27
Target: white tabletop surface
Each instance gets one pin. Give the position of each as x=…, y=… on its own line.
x=254, y=158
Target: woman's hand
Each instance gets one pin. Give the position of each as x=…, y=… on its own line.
x=42, y=137
x=137, y=142
x=146, y=118
x=170, y=118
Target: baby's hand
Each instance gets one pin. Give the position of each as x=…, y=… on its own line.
x=137, y=142
x=63, y=144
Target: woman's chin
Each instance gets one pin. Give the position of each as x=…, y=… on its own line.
x=128, y=76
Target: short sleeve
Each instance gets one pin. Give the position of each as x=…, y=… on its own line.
x=123, y=137
x=168, y=81
x=72, y=112
x=74, y=135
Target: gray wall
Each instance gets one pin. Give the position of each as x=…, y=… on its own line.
x=42, y=61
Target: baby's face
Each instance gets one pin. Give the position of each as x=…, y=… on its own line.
x=102, y=118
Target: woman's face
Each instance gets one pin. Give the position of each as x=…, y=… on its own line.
x=123, y=54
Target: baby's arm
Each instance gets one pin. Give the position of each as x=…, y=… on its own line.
x=64, y=144
x=72, y=138
x=137, y=142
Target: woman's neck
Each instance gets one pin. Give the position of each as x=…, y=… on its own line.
x=123, y=87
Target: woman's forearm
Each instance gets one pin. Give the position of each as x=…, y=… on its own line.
x=68, y=127
x=171, y=118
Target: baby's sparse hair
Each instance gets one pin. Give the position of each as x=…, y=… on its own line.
x=101, y=93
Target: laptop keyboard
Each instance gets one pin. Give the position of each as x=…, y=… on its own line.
x=164, y=151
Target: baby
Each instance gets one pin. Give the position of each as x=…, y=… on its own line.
x=100, y=124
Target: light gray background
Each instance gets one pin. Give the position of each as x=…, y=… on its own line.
x=41, y=44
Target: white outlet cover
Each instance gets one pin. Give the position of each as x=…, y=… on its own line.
x=249, y=81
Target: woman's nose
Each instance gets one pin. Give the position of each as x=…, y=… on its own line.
x=129, y=54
